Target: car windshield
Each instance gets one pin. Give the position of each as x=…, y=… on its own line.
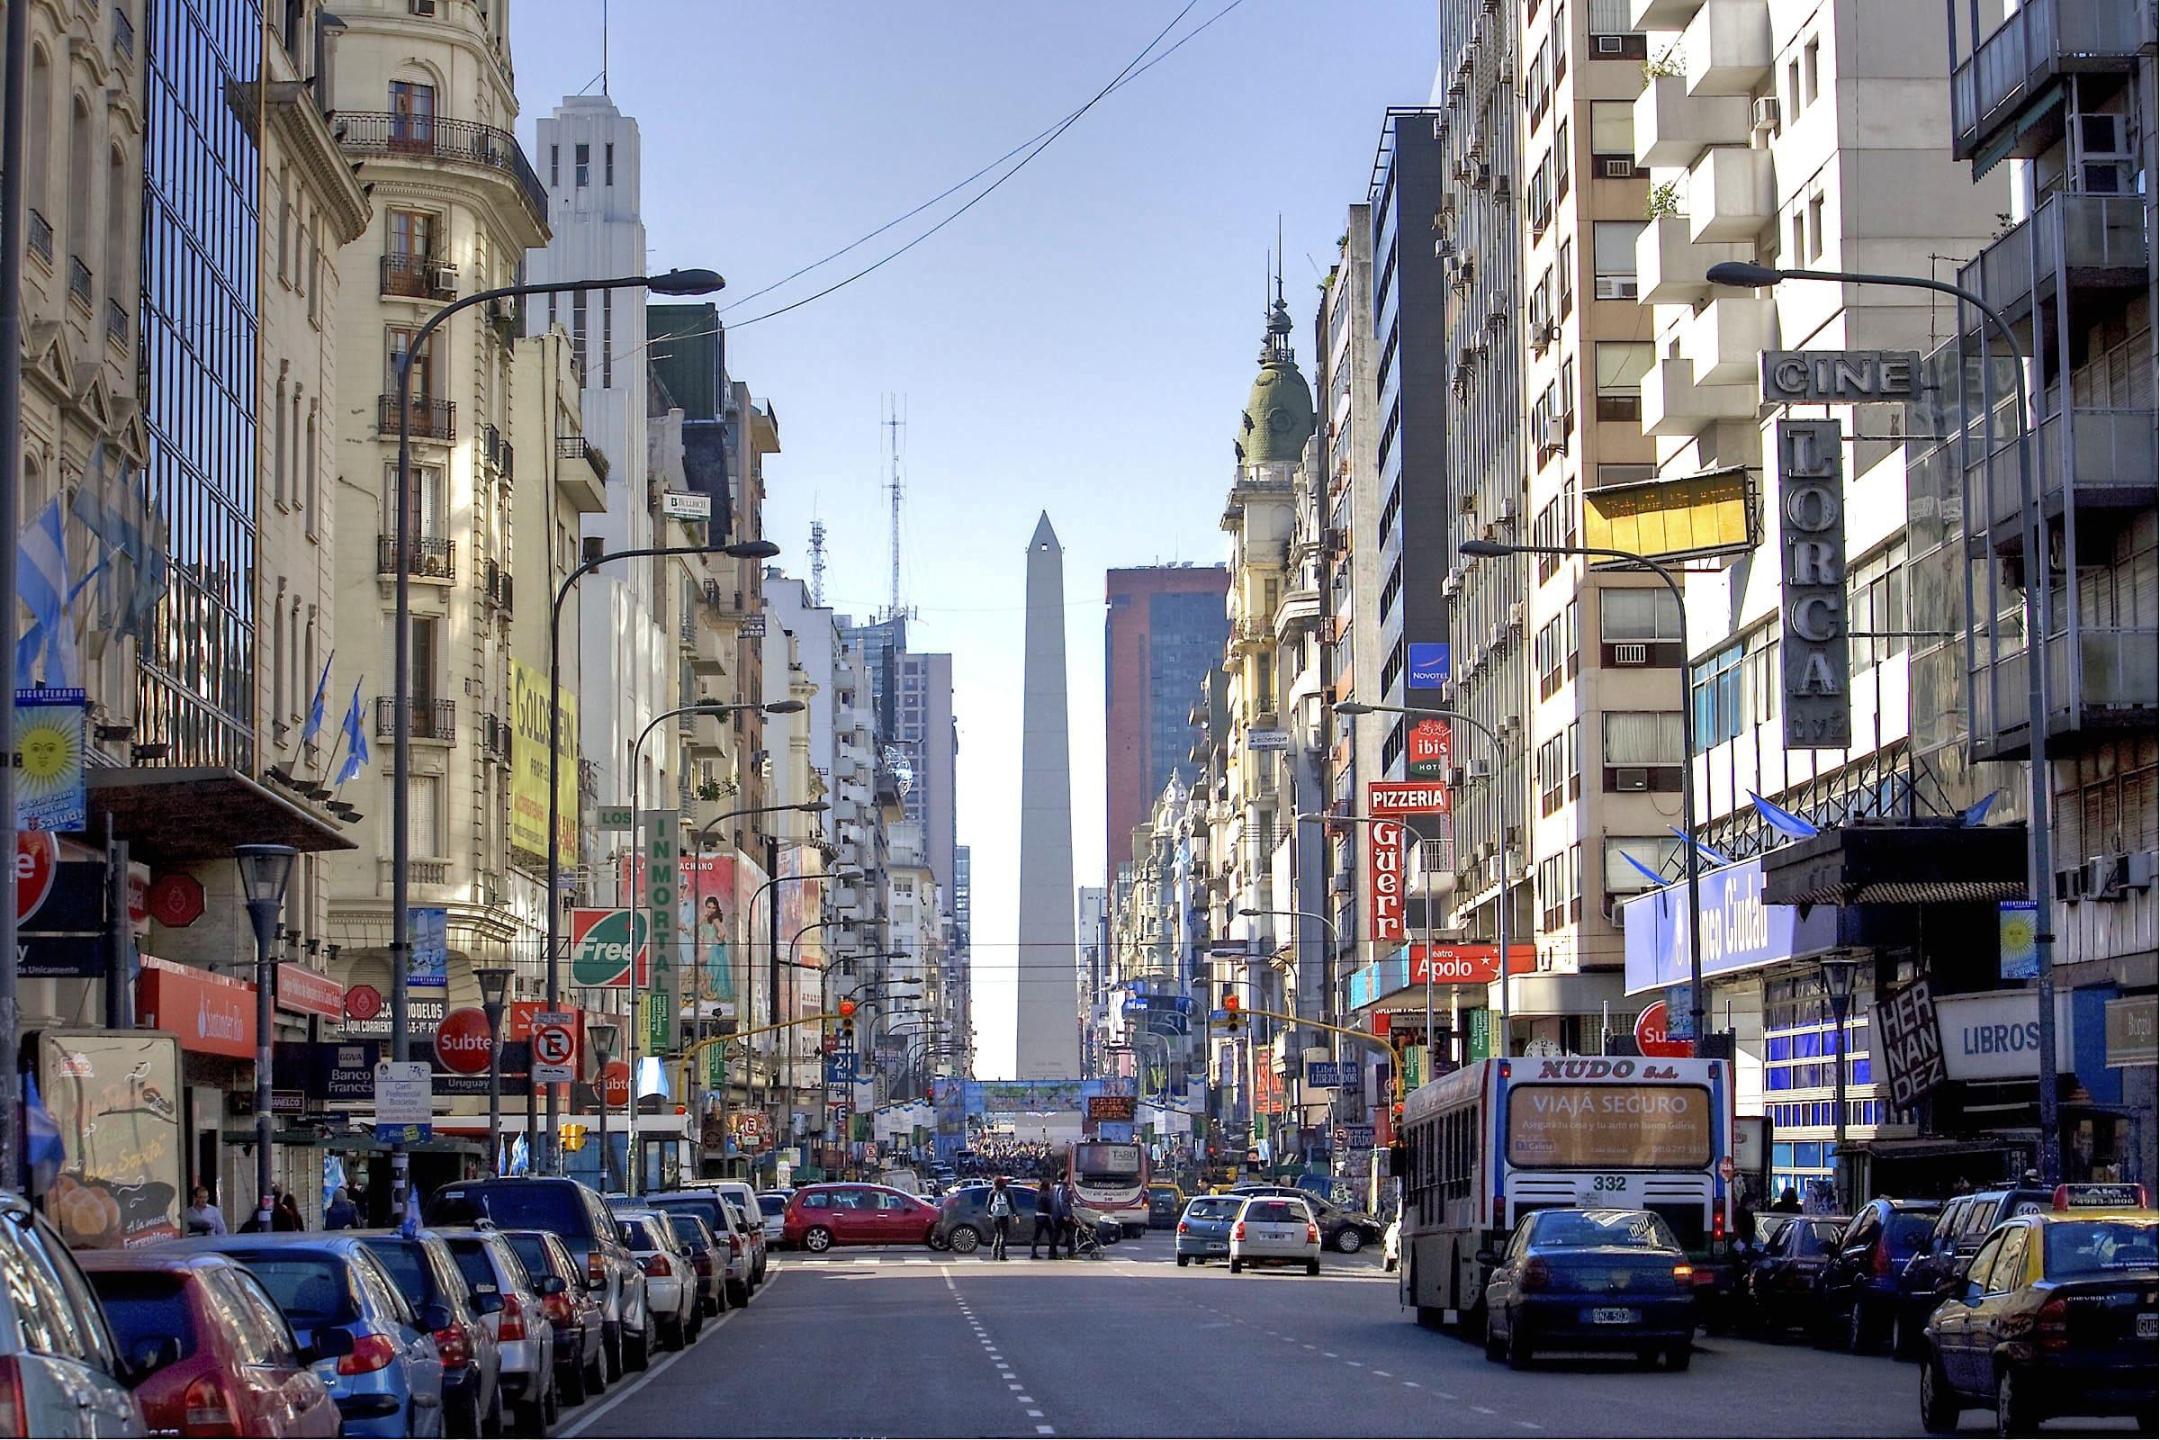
x=407, y=1266
x=772, y=1204
x=1817, y=1237
x=638, y=1235
x=1212, y=1207
x=311, y=1290
x=1911, y=1229
x=533, y=1250
x=2101, y=1247
x=686, y=1231
x=518, y=1205
x=1633, y=1229
x=146, y=1306
x=473, y=1262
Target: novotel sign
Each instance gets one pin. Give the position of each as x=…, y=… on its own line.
x=1816, y=648
x=1839, y=377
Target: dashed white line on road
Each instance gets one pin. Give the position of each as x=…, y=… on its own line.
x=1331, y=1354
x=1529, y=1425
x=1484, y=1409
x=1383, y=1374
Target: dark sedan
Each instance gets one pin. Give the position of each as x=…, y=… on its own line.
x=1784, y=1284
x=1590, y=1280
x=963, y=1222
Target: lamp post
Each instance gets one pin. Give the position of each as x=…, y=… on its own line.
x=1840, y=969
x=773, y=934
x=600, y=1035
x=494, y=981
x=674, y=282
x=264, y=872
x=1297, y=1076
x=2039, y=849
x=740, y=550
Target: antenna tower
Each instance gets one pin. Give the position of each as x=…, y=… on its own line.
x=817, y=563
x=894, y=423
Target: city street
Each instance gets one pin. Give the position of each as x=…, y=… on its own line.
x=906, y=1342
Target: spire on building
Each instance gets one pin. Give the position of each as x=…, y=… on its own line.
x=1278, y=417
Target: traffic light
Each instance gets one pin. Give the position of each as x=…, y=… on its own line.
x=847, y=1024
x=573, y=1138
x=1232, y=1020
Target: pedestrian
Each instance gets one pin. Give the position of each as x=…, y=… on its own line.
x=1788, y=1203
x=1001, y=1218
x=1045, y=1220
x=1068, y=1220
x=287, y=1214
x=340, y=1213
x=202, y=1215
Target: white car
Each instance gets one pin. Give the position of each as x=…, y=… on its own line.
x=1274, y=1230
x=69, y=1375
x=772, y=1205
x=510, y=1309
x=670, y=1280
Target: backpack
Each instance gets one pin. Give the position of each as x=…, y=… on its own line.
x=1000, y=1206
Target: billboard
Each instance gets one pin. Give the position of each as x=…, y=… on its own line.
x=114, y=1095
x=1687, y=517
x=529, y=764
x=602, y=944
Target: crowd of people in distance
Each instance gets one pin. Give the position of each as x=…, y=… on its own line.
x=1027, y=1158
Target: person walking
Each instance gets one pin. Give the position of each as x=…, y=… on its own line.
x=1001, y=1217
x=202, y=1216
x=340, y=1213
x=1045, y=1220
x=286, y=1216
x=1068, y=1220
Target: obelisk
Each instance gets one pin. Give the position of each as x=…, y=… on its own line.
x=1046, y=1035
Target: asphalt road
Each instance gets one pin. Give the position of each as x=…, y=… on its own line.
x=907, y=1342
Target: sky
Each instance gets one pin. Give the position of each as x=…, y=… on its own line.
x=1079, y=342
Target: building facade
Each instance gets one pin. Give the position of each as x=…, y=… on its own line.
x=1164, y=628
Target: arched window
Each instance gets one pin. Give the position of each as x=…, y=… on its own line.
x=82, y=183
x=37, y=143
x=120, y=237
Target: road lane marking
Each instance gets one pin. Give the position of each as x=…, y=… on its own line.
x=1383, y=1374
x=1484, y=1409
x=652, y=1372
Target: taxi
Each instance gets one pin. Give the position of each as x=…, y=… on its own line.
x=2055, y=1315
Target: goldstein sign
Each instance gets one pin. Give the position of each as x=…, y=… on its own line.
x=529, y=765
x=1816, y=644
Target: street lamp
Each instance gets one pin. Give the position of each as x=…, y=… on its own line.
x=494, y=983
x=2039, y=849
x=601, y=1034
x=1840, y=970
x=264, y=872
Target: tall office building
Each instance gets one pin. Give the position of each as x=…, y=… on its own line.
x=913, y=695
x=1165, y=629
x=1046, y=1040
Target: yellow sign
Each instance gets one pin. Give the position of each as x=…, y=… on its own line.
x=1688, y=517
x=529, y=765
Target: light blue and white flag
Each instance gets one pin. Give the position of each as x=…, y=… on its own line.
x=41, y=579
x=356, y=757
x=315, y=706
x=1782, y=820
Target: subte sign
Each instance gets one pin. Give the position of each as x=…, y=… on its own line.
x=1650, y=1036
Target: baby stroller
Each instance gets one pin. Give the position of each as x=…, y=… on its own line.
x=1093, y=1234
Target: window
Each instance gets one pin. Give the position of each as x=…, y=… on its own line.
x=277, y=449
x=1608, y=476
x=554, y=166
x=1638, y=615
x=1559, y=40
x=1566, y=266
x=395, y=340
x=582, y=166
x=1612, y=130
x=1811, y=69
x=608, y=163
x=1621, y=364
x=1814, y=227
x=1642, y=750
x=577, y=333
x=1613, y=250
x=1563, y=158
x=1875, y=605
x=431, y=515
x=1659, y=854
x=607, y=339
x=1792, y=86
x=1714, y=691
x=311, y=472
x=412, y=115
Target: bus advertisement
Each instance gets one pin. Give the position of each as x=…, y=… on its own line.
x=1499, y=1139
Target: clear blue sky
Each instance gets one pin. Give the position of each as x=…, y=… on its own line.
x=1079, y=342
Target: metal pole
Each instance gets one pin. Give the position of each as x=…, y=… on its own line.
x=493, y=1009
x=262, y=914
x=13, y=219
x=401, y=749
x=600, y=1060
x=1840, y=1007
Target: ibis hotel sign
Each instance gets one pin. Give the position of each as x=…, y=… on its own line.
x=1817, y=649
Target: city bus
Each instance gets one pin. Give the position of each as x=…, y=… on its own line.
x=1499, y=1139
x=1110, y=1178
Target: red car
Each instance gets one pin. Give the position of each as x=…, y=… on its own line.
x=819, y=1217
x=233, y=1366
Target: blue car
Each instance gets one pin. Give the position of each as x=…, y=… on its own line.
x=1590, y=1280
x=379, y=1355
x=1203, y=1231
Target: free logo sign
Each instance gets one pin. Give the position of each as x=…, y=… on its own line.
x=462, y=1042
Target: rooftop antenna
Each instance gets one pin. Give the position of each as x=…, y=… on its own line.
x=895, y=421
x=817, y=563
x=603, y=46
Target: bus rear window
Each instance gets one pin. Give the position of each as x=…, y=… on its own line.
x=1608, y=1127
x=1110, y=1161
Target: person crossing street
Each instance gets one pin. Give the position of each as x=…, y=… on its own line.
x=1001, y=1218
x=1045, y=1219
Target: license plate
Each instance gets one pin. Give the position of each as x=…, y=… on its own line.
x=2149, y=1327
x=1614, y=1315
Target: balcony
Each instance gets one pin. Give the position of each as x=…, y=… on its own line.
x=1669, y=267
x=2040, y=41
x=1726, y=49
x=432, y=557
x=495, y=585
x=2101, y=459
x=79, y=282
x=431, y=719
x=1731, y=194
x=1672, y=127
x=418, y=277
x=430, y=419
x=117, y=328
x=2107, y=681
x=1673, y=404
x=41, y=237
x=1725, y=339
x=1661, y=14
x=430, y=138
x=2085, y=242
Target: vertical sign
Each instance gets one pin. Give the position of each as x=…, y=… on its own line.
x=1384, y=862
x=1817, y=654
x=49, y=749
x=1908, y=1044
x=1429, y=748
x=428, y=965
x=658, y=897
x=2018, y=922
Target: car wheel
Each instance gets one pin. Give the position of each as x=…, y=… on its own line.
x=637, y=1350
x=964, y=1240
x=572, y=1382
x=1678, y=1357
x=1646, y=1359
x=673, y=1334
x=1495, y=1347
x=2013, y=1411
x=551, y=1405
x=532, y=1416
x=817, y=1240
x=1860, y=1330
x=1939, y=1407
x=613, y=1354
x=596, y=1372
x=1518, y=1346
x=1312, y=1267
x=1183, y=1260
x=1349, y=1241
x=738, y=1293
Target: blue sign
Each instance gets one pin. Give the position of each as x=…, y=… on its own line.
x=1428, y=668
x=840, y=1068
x=1739, y=931
x=403, y=1134
x=1680, y=1012
x=429, y=965
x=2019, y=924
x=1354, y=1137
x=1329, y=1074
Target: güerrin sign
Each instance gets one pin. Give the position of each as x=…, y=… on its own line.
x=1909, y=1042
x=1816, y=648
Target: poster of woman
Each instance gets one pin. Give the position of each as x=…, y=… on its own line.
x=708, y=919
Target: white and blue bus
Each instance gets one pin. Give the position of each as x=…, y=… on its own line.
x=1499, y=1139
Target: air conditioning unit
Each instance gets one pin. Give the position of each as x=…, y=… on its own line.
x=1455, y=777
x=1765, y=114
x=1504, y=513
x=1478, y=770
x=2107, y=877
x=1616, y=167
x=1610, y=44
x=1451, y=585
x=423, y=7
x=1632, y=780
x=2070, y=884
x=1515, y=615
x=502, y=309
x=444, y=278
x=1615, y=287
x=1631, y=654
x=2107, y=164
x=1542, y=335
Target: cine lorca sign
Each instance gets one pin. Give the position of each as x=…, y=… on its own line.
x=1816, y=648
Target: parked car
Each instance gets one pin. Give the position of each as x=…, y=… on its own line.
x=509, y=1303
x=575, y=1313
x=822, y=1216
x=671, y=1284
x=227, y=1361
x=1590, y=1280
x=703, y=1200
x=62, y=1371
x=697, y=1241
x=1937, y=1268
x=576, y=1213
x=1347, y=1231
x=963, y=1221
x=772, y=1215
x=2054, y=1315
x=472, y=1361
x=1862, y=1284
x=1275, y=1230
x=1784, y=1284
x=1203, y=1230
x=375, y=1351
x=1166, y=1204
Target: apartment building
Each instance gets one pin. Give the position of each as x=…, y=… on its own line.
x=1163, y=628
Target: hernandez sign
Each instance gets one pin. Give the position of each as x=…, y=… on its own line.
x=1815, y=643
x=1910, y=1041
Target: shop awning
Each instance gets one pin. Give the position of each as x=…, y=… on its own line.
x=1563, y=994
x=177, y=816
x=1931, y=1147
x=1898, y=865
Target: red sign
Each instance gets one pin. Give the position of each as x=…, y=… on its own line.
x=308, y=992
x=1384, y=863
x=615, y=1083
x=1429, y=748
x=1650, y=1034
x=37, y=864
x=211, y=1014
x=1468, y=964
x=1406, y=797
x=363, y=1002
x=462, y=1041
x=176, y=900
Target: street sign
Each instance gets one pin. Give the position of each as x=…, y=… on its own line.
x=1353, y=1137
x=404, y=1093
x=1257, y=739
x=176, y=901
x=1839, y=377
x=1815, y=649
x=616, y=817
x=463, y=1042
x=363, y=1002
x=1330, y=1074
x=554, y=1049
x=1651, y=1037
x=685, y=505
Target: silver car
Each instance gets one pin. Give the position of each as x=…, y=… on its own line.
x=671, y=1285
x=70, y=1375
x=509, y=1305
x=1274, y=1230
